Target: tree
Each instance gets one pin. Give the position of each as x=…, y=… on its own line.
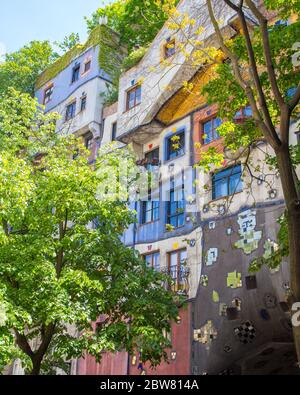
x=137, y=21
x=62, y=262
x=21, y=68
x=68, y=43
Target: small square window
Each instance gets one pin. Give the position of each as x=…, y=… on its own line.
x=150, y=211
x=227, y=182
x=153, y=260
x=87, y=66
x=175, y=145
x=48, y=94
x=134, y=97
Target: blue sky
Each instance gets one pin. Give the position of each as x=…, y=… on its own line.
x=24, y=20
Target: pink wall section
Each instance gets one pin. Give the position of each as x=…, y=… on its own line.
x=117, y=364
x=112, y=364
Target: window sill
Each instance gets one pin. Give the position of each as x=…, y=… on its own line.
x=149, y=223
x=203, y=144
x=224, y=197
x=168, y=161
x=132, y=108
x=174, y=230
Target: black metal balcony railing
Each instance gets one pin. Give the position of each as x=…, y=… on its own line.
x=179, y=280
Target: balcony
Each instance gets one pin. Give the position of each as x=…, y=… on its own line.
x=179, y=280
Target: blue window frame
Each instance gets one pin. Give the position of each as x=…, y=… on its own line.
x=227, y=182
x=176, y=207
x=153, y=260
x=210, y=132
x=175, y=148
x=150, y=211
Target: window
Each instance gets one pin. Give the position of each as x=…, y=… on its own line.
x=175, y=145
x=153, y=260
x=176, y=207
x=176, y=267
x=210, y=132
x=150, y=211
x=245, y=112
x=281, y=22
x=227, y=182
x=169, y=49
x=71, y=110
x=152, y=159
x=114, y=131
x=48, y=94
x=88, y=142
x=87, y=66
x=134, y=97
x=75, y=73
x=83, y=103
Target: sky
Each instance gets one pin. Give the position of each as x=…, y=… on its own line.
x=22, y=21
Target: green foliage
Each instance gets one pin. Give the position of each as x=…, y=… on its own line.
x=134, y=58
x=62, y=262
x=68, y=42
x=275, y=259
x=225, y=86
x=285, y=9
x=137, y=21
x=21, y=68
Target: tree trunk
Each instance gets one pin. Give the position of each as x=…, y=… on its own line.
x=36, y=368
x=291, y=195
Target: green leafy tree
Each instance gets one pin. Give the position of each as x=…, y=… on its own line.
x=137, y=21
x=68, y=42
x=21, y=68
x=62, y=262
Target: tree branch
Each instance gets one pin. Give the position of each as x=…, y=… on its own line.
x=23, y=344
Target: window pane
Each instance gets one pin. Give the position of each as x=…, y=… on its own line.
x=138, y=93
x=180, y=221
x=155, y=211
x=148, y=259
x=220, y=188
x=235, y=184
x=173, y=265
x=179, y=146
x=156, y=261
x=248, y=111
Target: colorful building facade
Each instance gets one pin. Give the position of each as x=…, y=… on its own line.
x=202, y=229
